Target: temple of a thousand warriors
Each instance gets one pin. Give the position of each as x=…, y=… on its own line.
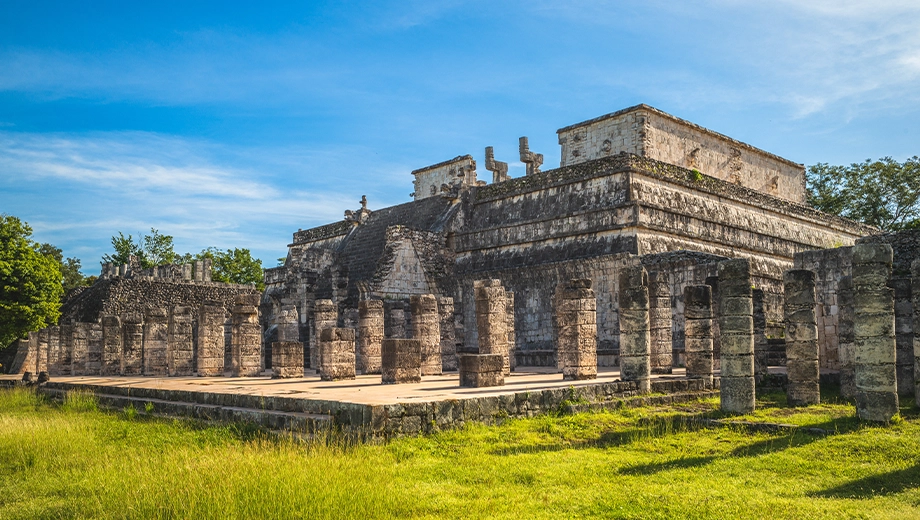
x=638, y=186
x=656, y=245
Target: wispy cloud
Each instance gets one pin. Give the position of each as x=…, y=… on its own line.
x=90, y=186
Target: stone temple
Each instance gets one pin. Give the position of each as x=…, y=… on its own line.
x=638, y=186
x=659, y=257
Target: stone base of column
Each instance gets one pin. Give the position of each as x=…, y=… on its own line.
x=481, y=370
x=337, y=354
x=737, y=394
x=287, y=359
x=876, y=406
x=400, y=361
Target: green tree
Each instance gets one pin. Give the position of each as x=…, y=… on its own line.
x=150, y=250
x=30, y=282
x=233, y=266
x=70, y=267
x=882, y=193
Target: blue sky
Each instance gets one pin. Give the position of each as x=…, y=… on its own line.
x=228, y=125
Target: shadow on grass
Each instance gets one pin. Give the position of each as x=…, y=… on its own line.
x=890, y=483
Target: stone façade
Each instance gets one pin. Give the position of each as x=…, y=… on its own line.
x=602, y=211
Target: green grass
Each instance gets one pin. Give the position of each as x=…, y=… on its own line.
x=73, y=461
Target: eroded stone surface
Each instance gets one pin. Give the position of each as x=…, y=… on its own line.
x=875, y=371
x=576, y=319
x=801, y=339
x=370, y=335
x=337, y=354
x=635, y=335
x=698, y=329
x=401, y=361
x=736, y=336
x=427, y=329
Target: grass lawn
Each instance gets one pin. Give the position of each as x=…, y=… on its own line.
x=72, y=460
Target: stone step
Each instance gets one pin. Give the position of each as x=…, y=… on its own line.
x=301, y=422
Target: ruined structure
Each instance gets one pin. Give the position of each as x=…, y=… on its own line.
x=698, y=330
x=801, y=339
x=736, y=332
x=576, y=322
x=635, y=186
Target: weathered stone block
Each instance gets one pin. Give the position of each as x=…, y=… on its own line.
x=155, y=335
x=245, y=337
x=370, y=335
x=112, y=345
x=426, y=328
x=287, y=359
x=337, y=354
x=736, y=329
x=401, y=361
x=481, y=370
x=210, y=356
x=875, y=373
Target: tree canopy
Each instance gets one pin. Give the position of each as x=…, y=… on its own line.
x=70, y=267
x=234, y=266
x=30, y=282
x=149, y=250
x=230, y=266
x=882, y=193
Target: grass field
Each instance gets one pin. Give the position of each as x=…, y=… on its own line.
x=72, y=461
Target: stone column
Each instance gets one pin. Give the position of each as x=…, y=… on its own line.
x=481, y=370
x=112, y=345
x=426, y=328
x=132, y=355
x=448, y=333
x=904, y=336
x=846, y=348
x=179, y=346
x=325, y=315
x=761, y=347
x=54, y=350
x=736, y=333
x=660, y=313
x=41, y=354
x=509, y=327
x=394, y=319
x=337, y=354
x=66, y=360
x=576, y=326
x=915, y=292
x=698, y=332
x=287, y=359
x=873, y=330
x=491, y=303
x=80, y=342
x=401, y=361
x=155, y=329
x=210, y=358
x=635, y=341
x=245, y=337
x=94, y=350
x=801, y=338
x=370, y=335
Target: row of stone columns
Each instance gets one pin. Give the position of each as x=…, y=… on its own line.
x=153, y=343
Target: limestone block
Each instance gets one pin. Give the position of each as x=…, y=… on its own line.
x=66, y=359
x=401, y=361
x=801, y=338
x=179, y=346
x=510, y=328
x=26, y=356
x=635, y=336
x=337, y=354
x=370, y=335
x=245, y=337
x=846, y=346
x=112, y=345
x=491, y=320
x=427, y=329
x=41, y=352
x=156, y=324
x=576, y=320
x=661, y=359
x=736, y=336
x=448, y=333
x=132, y=355
x=325, y=315
x=80, y=342
x=287, y=359
x=54, y=350
x=210, y=355
x=394, y=319
x=874, y=361
x=481, y=370
x=915, y=293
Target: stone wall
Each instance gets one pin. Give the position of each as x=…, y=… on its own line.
x=428, y=180
x=645, y=131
